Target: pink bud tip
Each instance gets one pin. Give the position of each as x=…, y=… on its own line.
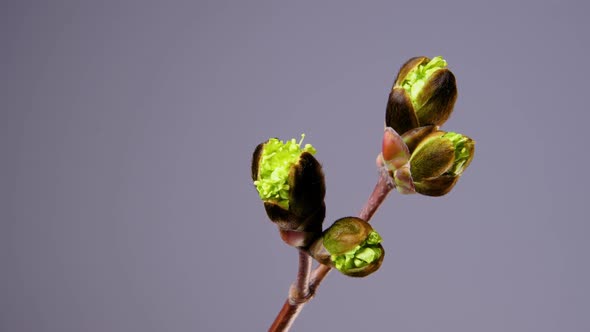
x=394, y=151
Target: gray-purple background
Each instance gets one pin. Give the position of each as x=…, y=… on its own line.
x=126, y=130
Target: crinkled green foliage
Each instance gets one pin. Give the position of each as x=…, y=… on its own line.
x=417, y=77
x=362, y=255
x=462, y=153
x=274, y=167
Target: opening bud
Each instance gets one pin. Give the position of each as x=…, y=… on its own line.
x=351, y=246
x=424, y=93
x=439, y=160
x=272, y=166
x=290, y=182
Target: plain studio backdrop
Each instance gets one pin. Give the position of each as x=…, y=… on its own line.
x=127, y=128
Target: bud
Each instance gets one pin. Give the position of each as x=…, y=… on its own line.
x=395, y=157
x=438, y=161
x=424, y=93
x=351, y=246
x=290, y=182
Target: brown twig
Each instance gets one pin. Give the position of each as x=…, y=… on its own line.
x=305, y=286
x=299, y=294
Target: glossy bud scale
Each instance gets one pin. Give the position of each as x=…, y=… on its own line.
x=290, y=182
x=424, y=93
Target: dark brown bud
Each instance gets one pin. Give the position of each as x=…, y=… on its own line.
x=290, y=183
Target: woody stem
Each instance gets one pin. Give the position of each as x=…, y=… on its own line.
x=304, y=287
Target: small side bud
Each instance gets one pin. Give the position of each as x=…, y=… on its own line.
x=394, y=151
x=394, y=161
x=351, y=246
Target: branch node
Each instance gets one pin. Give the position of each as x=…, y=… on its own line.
x=299, y=297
